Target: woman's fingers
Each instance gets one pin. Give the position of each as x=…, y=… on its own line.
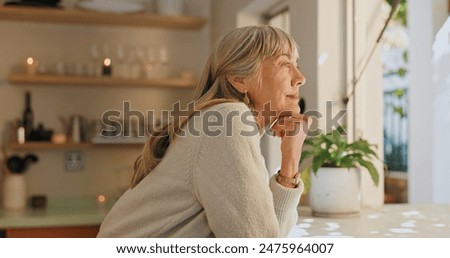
x=291, y=125
x=300, y=118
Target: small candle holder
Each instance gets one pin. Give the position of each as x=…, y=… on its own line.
x=107, y=67
x=31, y=66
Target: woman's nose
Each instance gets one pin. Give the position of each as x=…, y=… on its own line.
x=298, y=78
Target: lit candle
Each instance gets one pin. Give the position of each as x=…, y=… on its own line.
x=31, y=66
x=107, y=69
x=101, y=200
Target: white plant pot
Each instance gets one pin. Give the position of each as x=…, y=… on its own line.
x=335, y=192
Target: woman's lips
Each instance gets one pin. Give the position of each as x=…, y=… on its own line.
x=293, y=96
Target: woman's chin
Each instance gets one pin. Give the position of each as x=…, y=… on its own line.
x=294, y=109
x=288, y=111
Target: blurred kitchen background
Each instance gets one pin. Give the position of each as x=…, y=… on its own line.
x=151, y=52
x=56, y=45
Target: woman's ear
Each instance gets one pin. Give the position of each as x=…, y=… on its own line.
x=238, y=82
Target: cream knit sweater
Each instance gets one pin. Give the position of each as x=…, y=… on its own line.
x=208, y=186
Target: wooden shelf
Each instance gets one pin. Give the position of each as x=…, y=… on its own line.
x=66, y=146
x=99, y=81
x=48, y=146
x=55, y=15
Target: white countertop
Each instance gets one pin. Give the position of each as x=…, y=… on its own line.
x=392, y=220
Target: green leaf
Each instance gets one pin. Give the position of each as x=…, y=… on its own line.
x=401, y=13
x=305, y=154
x=346, y=162
x=363, y=147
x=399, y=110
x=405, y=56
x=328, y=157
x=328, y=139
x=399, y=93
x=317, y=163
x=354, y=156
x=306, y=178
x=308, y=142
x=372, y=170
x=341, y=130
x=401, y=72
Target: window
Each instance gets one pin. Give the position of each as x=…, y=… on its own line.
x=395, y=86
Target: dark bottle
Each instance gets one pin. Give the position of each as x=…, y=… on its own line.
x=28, y=118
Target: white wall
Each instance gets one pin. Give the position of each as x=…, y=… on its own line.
x=429, y=170
x=70, y=43
x=224, y=16
x=441, y=110
x=369, y=93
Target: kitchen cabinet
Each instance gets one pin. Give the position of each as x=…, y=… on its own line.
x=63, y=217
x=53, y=232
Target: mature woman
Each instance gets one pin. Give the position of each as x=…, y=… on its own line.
x=203, y=174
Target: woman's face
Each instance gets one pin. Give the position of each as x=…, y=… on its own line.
x=280, y=83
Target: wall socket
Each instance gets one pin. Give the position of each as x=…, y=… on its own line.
x=74, y=160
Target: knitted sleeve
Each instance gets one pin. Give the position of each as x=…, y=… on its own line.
x=231, y=182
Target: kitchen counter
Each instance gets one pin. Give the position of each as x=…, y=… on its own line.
x=60, y=212
x=393, y=220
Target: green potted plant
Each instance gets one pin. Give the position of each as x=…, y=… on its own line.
x=334, y=184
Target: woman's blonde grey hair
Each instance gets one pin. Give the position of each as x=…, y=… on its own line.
x=238, y=53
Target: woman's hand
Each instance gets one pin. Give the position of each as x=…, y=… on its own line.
x=292, y=128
